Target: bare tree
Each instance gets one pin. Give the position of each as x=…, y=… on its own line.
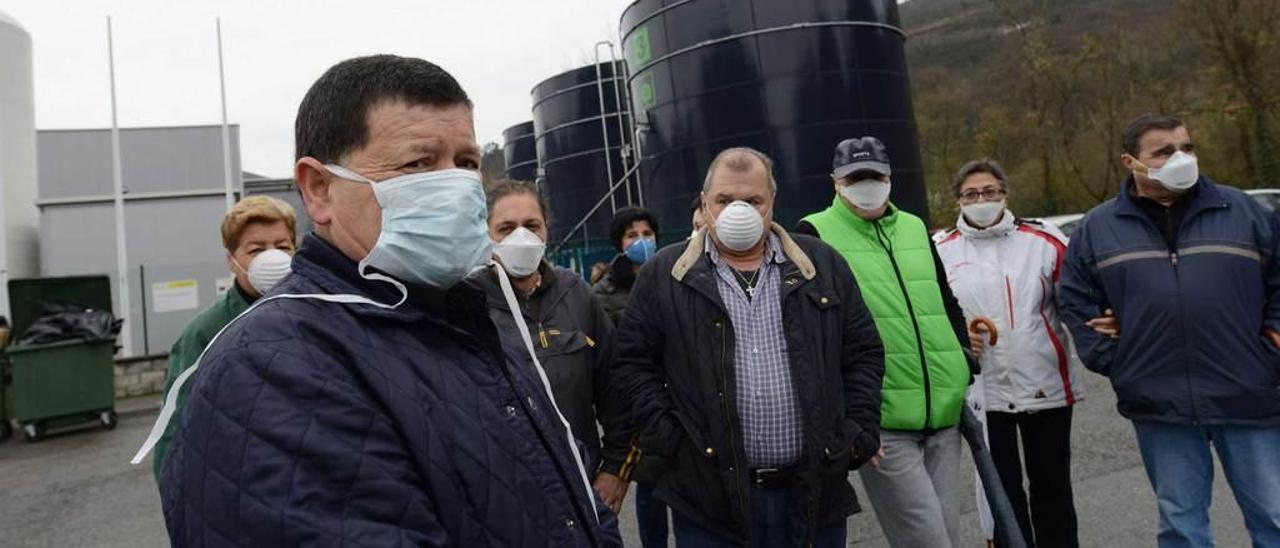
x=1243, y=40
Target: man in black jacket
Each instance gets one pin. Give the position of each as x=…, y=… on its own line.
x=753, y=370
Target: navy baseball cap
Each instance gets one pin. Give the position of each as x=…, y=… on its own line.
x=861, y=154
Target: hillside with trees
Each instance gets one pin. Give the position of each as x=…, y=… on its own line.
x=1046, y=86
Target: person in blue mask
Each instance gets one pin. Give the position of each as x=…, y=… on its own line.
x=369, y=399
x=634, y=233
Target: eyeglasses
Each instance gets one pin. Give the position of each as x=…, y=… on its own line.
x=985, y=194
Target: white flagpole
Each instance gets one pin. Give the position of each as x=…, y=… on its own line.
x=227, y=176
x=4, y=235
x=117, y=172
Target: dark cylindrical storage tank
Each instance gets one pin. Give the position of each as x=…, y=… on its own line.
x=520, y=151
x=579, y=150
x=791, y=79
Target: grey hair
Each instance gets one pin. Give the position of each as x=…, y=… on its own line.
x=738, y=160
x=985, y=165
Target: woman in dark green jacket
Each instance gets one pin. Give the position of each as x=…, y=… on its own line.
x=259, y=234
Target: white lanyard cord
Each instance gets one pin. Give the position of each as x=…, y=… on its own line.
x=171, y=399
x=523, y=328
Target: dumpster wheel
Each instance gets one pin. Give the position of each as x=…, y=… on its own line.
x=108, y=419
x=33, y=431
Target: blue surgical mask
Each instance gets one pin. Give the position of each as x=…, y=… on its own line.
x=641, y=250
x=434, y=228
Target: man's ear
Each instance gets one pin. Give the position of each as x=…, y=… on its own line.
x=314, y=184
x=1127, y=161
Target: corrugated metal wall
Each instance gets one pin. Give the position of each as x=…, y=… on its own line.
x=173, y=209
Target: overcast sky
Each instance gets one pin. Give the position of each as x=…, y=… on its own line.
x=167, y=64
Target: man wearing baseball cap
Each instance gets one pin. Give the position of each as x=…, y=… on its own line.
x=915, y=485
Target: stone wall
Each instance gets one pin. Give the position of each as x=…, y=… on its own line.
x=141, y=375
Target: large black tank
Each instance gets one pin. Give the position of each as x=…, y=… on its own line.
x=577, y=162
x=520, y=151
x=791, y=79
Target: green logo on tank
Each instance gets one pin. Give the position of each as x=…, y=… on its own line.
x=638, y=48
x=646, y=95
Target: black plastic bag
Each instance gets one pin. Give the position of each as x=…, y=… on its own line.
x=62, y=322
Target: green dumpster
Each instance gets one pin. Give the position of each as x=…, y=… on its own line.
x=66, y=382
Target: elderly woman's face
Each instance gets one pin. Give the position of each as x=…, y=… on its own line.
x=403, y=139
x=254, y=239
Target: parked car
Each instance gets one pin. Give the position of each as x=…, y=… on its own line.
x=1268, y=197
x=1065, y=223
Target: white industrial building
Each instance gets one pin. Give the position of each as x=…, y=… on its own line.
x=19, y=247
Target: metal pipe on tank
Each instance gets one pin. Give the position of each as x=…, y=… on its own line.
x=623, y=109
x=604, y=128
x=637, y=130
x=581, y=224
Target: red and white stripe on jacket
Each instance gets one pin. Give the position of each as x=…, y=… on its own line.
x=1009, y=273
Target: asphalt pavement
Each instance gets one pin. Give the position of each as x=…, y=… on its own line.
x=77, y=489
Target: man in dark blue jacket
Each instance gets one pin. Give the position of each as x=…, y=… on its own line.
x=1172, y=290
x=368, y=400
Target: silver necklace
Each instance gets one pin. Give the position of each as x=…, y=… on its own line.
x=749, y=283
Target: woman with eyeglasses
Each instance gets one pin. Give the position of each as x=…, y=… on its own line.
x=1004, y=272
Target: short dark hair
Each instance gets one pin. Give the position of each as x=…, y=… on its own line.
x=696, y=205
x=984, y=165
x=508, y=187
x=333, y=117
x=1133, y=133
x=624, y=218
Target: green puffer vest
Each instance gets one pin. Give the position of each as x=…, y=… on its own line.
x=893, y=262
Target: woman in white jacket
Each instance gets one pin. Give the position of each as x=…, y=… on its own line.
x=1005, y=269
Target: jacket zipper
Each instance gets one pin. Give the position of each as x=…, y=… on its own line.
x=724, y=408
x=924, y=363
x=1182, y=324
x=1182, y=320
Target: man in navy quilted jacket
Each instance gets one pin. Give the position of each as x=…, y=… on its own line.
x=368, y=400
x=1172, y=290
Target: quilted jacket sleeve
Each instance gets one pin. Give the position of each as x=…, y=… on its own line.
x=281, y=446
